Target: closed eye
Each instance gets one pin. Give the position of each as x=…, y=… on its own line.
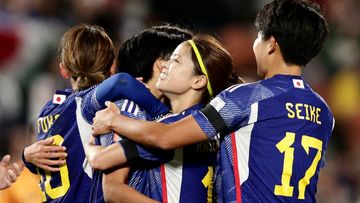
x=175, y=58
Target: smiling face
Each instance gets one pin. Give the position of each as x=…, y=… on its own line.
x=178, y=74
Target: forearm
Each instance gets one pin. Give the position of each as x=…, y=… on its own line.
x=123, y=193
x=142, y=132
x=159, y=135
x=116, y=190
x=103, y=158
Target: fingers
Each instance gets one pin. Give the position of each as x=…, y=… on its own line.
x=5, y=160
x=7, y=182
x=92, y=141
x=17, y=168
x=94, y=133
x=49, y=168
x=50, y=162
x=57, y=155
x=140, y=79
x=47, y=152
x=12, y=175
x=48, y=141
x=52, y=149
x=112, y=106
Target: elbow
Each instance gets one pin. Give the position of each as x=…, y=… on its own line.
x=111, y=191
x=95, y=162
x=165, y=145
x=108, y=191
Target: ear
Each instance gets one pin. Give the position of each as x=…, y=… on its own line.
x=272, y=45
x=199, y=82
x=63, y=71
x=113, y=68
x=158, y=65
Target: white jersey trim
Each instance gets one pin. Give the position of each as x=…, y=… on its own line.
x=173, y=176
x=85, y=132
x=130, y=107
x=242, y=141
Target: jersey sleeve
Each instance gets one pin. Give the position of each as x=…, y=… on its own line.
x=225, y=113
x=124, y=86
x=133, y=151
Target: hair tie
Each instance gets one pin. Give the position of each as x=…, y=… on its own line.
x=81, y=74
x=202, y=65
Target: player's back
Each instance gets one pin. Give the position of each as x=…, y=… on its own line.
x=58, y=120
x=278, y=146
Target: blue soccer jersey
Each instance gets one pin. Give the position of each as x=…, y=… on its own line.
x=62, y=119
x=280, y=129
x=57, y=119
x=117, y=87
x=188, y=177
x=127, y=108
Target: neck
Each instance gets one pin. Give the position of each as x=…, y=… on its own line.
x=278, y=66
x=181, y=102
x=284, y=70
x=151, y=84
x=73, y=84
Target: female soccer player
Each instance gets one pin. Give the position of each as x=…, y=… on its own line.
x=197, y=69
x=142, y=56
x=86, y=56
x=274, y=132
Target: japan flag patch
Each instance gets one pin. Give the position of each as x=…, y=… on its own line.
x=59, y=98
x=298, y=83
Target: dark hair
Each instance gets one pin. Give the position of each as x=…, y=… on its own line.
x=138, y=54
x=218, y=63
x=298, y=26
x=87, y=52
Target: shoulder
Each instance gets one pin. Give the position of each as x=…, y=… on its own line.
x=87, y=98
x=242, y=93
x=131, y=109
x=59, y=100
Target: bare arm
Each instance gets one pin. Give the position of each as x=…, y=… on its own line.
x=166, y=136
x=102, y=158
x=116, y=191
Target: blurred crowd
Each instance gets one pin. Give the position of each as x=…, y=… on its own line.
x=30, y=31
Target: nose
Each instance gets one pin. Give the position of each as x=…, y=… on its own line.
x=164, y=66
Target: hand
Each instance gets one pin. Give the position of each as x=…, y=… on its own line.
x=141, y=79
x=45, y=155
x=9, y=174
x=103, y=119
x=92, y=153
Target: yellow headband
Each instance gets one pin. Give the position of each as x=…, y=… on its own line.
x=202, y=65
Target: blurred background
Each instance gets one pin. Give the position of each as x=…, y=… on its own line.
x=30, y=31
